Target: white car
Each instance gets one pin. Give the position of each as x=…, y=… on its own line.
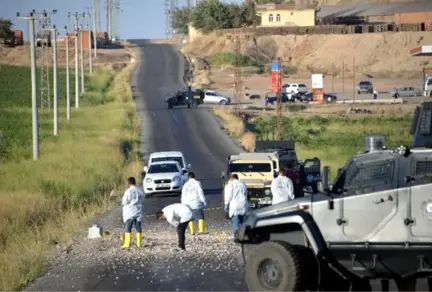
x=211, y=96
x=294, y=88
x=168, y=156
x=163, y=177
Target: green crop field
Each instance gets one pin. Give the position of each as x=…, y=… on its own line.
x=334, y=139
x=90, y=158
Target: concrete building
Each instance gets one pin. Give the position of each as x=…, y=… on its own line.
x=273, y=15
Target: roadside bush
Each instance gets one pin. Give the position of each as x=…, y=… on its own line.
x=229, y=58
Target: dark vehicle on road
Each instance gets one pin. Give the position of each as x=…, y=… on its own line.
x=272, y=98
x=365, y=87
x=372, y=223
x=308, y=97
x=190, y=98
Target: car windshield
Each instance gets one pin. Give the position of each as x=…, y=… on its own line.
x=163, y=168
x=179, y=159
x=250, y=167
x=339, y=182
x=302, y=85
x=365, y=83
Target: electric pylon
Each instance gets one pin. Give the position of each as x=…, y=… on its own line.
x=44, y=37
x=237, y=70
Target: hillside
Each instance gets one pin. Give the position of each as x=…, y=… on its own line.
x=376, y=55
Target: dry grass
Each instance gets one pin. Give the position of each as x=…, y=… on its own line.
x=236, y=128
x=44, y=203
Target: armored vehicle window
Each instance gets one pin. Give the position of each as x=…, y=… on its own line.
x=423, y=167
x=250, y=167
x=367, y=175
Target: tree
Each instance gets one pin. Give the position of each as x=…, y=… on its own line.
x=181, y=18
x=210, y=15
x=6, y=34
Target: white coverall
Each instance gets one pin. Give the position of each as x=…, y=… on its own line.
x=236, y=198
x=132, y=203
x=193, y=195
x=282, y=189
x=177, y=213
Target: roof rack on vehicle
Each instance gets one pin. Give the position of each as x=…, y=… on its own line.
x=274, y=145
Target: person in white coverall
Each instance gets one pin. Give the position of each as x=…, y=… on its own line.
x=193, y=196
x=236, y=202
x=282, y=188
x=178, y=215
x=132, y=203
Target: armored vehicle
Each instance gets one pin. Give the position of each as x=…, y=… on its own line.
x=257, y=172
x=373, y=222
x=190, y=98
x=303, y=173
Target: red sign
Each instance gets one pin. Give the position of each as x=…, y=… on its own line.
x=318, y=94
x=274, y=81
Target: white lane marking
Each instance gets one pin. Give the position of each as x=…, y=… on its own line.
x=175, y=118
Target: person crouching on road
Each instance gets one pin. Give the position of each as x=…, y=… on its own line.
x=282, y=188
x=236, y=201
x=178, y=215
x=132, y=203
x=193, y=196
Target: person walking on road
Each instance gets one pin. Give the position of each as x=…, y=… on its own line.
x=132, y=203
x=178, y=215
x=282, y=188
x=236, y=201
x=193, y=196
x=375, y=93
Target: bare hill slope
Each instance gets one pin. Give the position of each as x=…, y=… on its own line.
x=376, y=55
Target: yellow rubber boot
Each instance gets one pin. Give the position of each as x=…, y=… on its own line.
x=127, y=240
x=192, y=227
x=138, y=239
x=202, y=227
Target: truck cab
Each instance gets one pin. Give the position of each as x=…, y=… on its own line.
x=256, y=172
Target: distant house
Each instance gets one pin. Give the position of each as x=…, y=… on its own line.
x=286, y=15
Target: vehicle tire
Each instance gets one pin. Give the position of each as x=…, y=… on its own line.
x=222, y=102
x=358, y=92
x=276, y=266
x=170, y=105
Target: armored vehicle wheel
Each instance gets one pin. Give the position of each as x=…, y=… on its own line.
x=170, y=104
x=275, y=266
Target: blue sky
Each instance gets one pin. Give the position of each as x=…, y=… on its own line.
x=139, y=19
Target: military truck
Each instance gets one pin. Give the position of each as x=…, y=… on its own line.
x=190, y=98
x=373, y=222
x=303, y=173
x=257, y=172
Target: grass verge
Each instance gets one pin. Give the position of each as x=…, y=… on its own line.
x=44, y=203
x=332, y=139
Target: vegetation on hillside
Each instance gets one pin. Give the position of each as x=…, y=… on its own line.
x=76, y=171
x=210, y=15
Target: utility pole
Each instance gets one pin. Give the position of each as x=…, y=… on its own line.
x=237, y=71
x=35, y=115
x=108, y=7
x=55, y=81
x=354, y=86
x=76, y=17
x=95, y=8
x=279, y=99
x=89, y=39
x=68, y=101
x=82, y=59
